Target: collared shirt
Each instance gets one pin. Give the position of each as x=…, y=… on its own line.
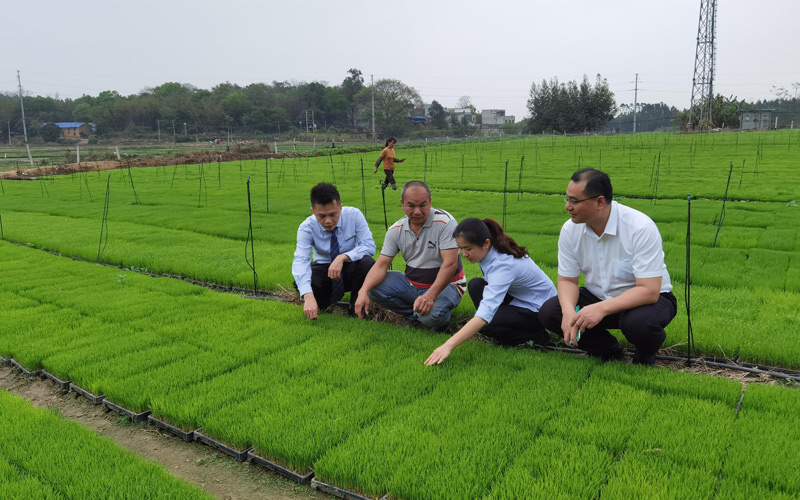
x=521, y=278
x=422, y=251
x=352, y=232
x=629, y=248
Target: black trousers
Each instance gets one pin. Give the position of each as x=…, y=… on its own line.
x=389, y=177
x=643, y=326
x=511, y=325
x=353, y=274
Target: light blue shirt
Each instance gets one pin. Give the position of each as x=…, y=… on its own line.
x=521, y=278
x=352, y=232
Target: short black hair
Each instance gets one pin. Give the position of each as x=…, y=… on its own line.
x=324, y=193
x=390, y=139
x=411, y=184
x=597, y=183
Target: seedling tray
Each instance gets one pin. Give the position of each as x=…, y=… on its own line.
x=283, y=471
x=64, y=384
x=339, y=492
x=88, y=395
x=4, y=361
x=135, y=417
x=25, y=371
x=238, y=455
x=185, y=435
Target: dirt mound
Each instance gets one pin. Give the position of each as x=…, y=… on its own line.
x=249, y=153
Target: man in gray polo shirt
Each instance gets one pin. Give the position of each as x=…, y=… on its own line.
x=433, y=282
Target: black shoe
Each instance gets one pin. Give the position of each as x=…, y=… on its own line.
x=383, y=185
x=394, y=187
x=644, y=359
x=616, y=353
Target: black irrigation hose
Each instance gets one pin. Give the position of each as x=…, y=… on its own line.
x=2, y=237
x=781, y=373
x=252, y=262
x=519, y=184
x=104, y=224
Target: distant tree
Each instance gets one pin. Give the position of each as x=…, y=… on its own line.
x=570, y=107
x=50, y=132
x=437, y=115
x=464, y=102
x=393, y=101
x=351, y=86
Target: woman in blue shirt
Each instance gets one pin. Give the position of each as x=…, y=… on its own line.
x=509, y=295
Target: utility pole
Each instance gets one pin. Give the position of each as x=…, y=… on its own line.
x=184, y=129
x=24, y=127
x=306, y=121
x=158, y=124
x=372, y=87
x=635, y=101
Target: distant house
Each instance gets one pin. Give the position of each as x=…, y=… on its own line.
x=757, y=120
x=75, y=130
x=492, y=120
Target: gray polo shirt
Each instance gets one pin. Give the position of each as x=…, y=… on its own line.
x=421, y=251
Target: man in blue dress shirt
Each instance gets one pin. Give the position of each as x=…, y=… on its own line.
x=342, y=247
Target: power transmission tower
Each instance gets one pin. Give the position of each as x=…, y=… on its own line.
x=705, y=55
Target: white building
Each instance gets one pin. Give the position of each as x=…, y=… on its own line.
x=492, y=120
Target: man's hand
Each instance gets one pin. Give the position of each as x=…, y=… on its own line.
x=335, y=269
x=401, y=160
x=568, y=328
x=375, y=171
x=423, y=304
x=362, y=304
x=588, y=317
x=310, y=307
x=439, y=355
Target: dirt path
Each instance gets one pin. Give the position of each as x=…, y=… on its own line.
x=211, y=471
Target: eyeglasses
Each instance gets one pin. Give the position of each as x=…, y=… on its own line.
x=571, y=201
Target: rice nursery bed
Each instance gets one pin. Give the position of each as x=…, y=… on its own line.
x=192, y=220
x=351, y=401
x=44, y=456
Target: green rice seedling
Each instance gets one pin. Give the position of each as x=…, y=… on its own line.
x=734, y=489
x=73, y=462
x=557, y=468
x=411, y=451
x=648, y=475
x=668, y=382
x=16, y=484
x=597, y=420
x=774, y=399
x=663, y=432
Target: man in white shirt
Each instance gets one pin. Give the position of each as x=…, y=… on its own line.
x=342, y=248
x=619, y=251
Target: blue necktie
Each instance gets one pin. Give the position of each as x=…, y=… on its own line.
x=338, y=285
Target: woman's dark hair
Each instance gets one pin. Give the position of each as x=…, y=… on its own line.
x=390, y=139
x=477, y=231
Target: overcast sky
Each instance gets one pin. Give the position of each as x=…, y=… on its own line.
x=490, y=50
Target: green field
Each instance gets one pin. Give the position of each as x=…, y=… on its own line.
x=351, y=400
x=43, y=456
x=193, y=220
